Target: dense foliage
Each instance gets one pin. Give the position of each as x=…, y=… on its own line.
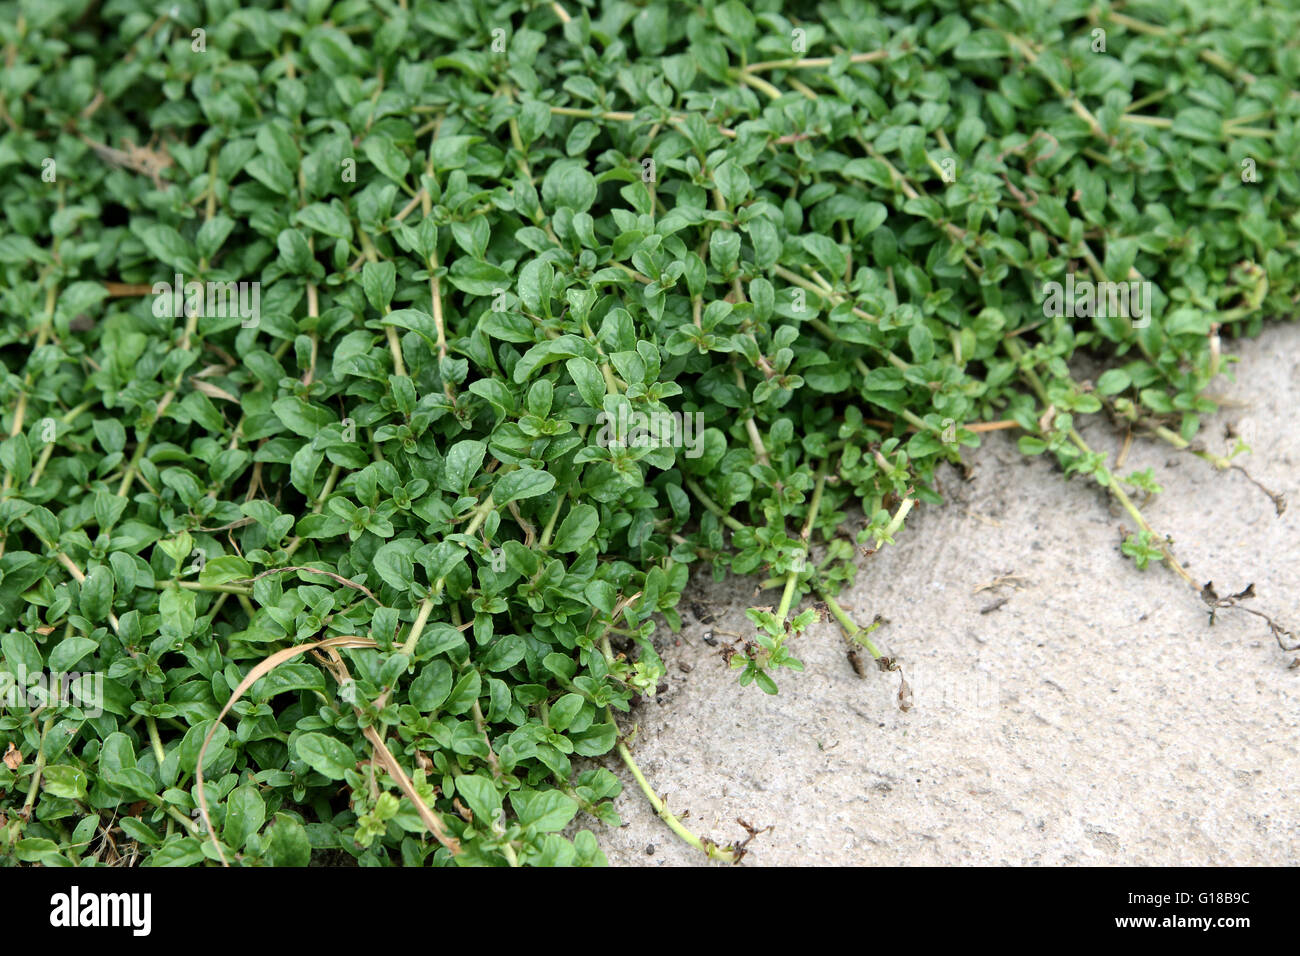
x=553, y=303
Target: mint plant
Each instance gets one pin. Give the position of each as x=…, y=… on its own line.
x=375, y=375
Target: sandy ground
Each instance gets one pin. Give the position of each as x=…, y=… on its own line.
x=1093, y=718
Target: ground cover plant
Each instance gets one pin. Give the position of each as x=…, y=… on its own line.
x=376, y=373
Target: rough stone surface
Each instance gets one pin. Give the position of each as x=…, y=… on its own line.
x=1093, y=718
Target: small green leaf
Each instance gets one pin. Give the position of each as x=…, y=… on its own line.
x=578, y=527
x=289, y=844
x=591, y=384
x=245, y=814
x=67, y=782
x=379, y=280
x=545, y=811
x=523, y=483
x=326, y=220
x=386, y=157
x=482, y=798
x=464, y=459
x=568, y=183
x=324, y=754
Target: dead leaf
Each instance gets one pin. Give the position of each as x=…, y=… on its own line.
x=856, y=660
x=140, y=159
x=210, y=370
x=13, y=758
x=1045, y=423
x=118, y=289
x=904, y=695
x=213, y=391
x=1011, y=578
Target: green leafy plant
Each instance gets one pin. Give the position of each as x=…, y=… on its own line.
x=376, y=374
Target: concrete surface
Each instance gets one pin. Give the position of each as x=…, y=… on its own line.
x=1094, y=718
